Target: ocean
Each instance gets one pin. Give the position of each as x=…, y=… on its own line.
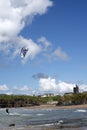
x=56, y=118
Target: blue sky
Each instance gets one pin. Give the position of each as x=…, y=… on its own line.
x=55, y=33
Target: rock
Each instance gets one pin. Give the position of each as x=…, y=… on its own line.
x=11, y=125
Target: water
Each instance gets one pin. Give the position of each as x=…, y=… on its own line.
x=58, y=118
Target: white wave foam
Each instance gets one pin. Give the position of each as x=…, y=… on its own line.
x=25, y=114
x=60, y=121
x=39, y=114
x=52, y=124
x=80, y=110
x=14, y=114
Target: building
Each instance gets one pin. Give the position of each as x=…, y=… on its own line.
x=70, y=93
x=76, y=89
x=46, y=95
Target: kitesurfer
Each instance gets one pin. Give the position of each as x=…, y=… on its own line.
x=7, y=110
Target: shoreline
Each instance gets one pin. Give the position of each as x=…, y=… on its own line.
x=42, y=128
x=58, y=107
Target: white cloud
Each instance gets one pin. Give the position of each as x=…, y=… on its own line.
x=3, y=87
x=45, y=42
x=64, y=87
x=10, y=21
x=59, y=53
x=83, y=87
x=9, y=93
x=50, y=84
x=53, y=55
x=24, y=88
x=47, y=84
x=14, y=16
x=33, y=48
x=31, y=7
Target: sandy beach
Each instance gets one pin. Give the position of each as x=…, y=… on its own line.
x=58, y=107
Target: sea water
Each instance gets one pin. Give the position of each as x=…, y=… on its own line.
x=58, y=118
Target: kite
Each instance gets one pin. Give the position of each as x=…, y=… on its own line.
x=23, y=52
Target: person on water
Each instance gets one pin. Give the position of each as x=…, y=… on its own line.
x=7, y=110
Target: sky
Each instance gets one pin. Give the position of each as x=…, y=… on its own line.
x=55, y=33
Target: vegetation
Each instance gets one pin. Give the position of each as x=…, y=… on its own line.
x=73, y=99
x=21, y=100
x=26, y=101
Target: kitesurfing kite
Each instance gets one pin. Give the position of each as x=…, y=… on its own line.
x=23, y=52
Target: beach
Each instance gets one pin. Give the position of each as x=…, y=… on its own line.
x=58, y=107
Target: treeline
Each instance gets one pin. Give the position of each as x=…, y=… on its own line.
x=73, y=99
x=20, y=101
x=26, y=101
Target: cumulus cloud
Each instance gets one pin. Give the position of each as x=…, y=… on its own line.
x=46, y=44
x=49, y=84
x=83, y=87
x=33, y=48
x=24, y=88
x=3, y=87
x=14, y=16
x=27, y=90
x=10, y=21
x=46, y=85
x=59, y=53
x=64, y=87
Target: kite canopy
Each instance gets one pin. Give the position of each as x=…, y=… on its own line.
x=23, y=52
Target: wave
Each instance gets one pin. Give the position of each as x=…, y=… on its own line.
x=52, y=123
x=80, y=110
x=18, y=114
x=40, y=114
x=14, y=114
